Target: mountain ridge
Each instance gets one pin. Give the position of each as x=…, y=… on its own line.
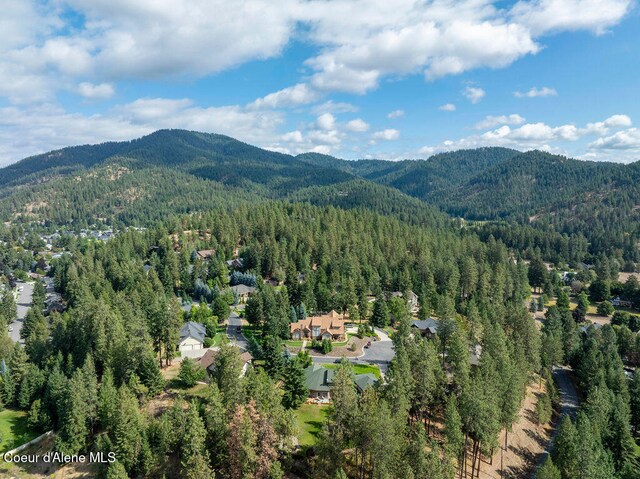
x=488, y=184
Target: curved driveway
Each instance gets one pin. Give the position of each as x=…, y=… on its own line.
x=380, y=353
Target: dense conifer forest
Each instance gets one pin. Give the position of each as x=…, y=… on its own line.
x=309, y=235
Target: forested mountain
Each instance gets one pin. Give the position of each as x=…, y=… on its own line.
x=368, y=240
x=177, y=171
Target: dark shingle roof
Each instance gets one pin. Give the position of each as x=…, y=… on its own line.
x=424, y=324
x=193, y=330
x=318, y=378
x=365, y=381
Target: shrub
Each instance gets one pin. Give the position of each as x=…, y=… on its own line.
x=326, y=346
x=190, y=373
x=605, y=308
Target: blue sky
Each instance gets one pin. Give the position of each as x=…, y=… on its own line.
x=351, y=78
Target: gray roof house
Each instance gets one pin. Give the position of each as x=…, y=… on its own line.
x=427, y=327
x=191, y=336
x=319, y=381
x=243, y=291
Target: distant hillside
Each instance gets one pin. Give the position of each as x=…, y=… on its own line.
x=209, y=156
x=177, y=171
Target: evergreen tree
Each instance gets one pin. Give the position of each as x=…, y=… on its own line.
x=548, y=470
x=194, y=458
x=295, y=389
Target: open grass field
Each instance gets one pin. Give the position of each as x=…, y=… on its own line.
x=359, y=368
x=14, y=429
x=310, y=419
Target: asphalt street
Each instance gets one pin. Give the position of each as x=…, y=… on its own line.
x=23, y=303
x=232, y=332
x=569, y=403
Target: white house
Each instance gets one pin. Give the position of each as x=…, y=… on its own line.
x=191, y=336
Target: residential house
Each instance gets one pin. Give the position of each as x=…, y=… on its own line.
x=53, y=302
x=208, y=360
x=191, y=336
x=319, y=381
x=205, y=254
x=585, y=328
x=621, y=303
x=412, y=300
x=475, y=353
x=235, y=263
x=328, y=326
x=243, y=291
x=427, y=327
x=365, y=381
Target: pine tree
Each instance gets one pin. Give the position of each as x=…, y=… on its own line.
x=548, y=470
x=454, y=437
x=380, y=315
x=565, y=449
x=295, y=389
x=194, y=458
x=73, y=434
x=107, y=400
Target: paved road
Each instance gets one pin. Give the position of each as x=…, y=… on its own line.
x=23, y=303
x=237, y=338
x=380, y=353
x=569, y=403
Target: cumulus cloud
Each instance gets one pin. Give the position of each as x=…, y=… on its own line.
x=536, y=92
x=387, y=135
x=543, y=136
x=358, y=125
x=331, y=106
x=53, y=127
x=89, y=46
x=395, y=114
x=543, y=16
x=150, y=39
x=493, y=121
x=299, y=94
x=473, y=94
x=622, y=140
x=326, y=122
x=447, y=107
x=96, y=92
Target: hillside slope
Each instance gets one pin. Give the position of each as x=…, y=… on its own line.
x=177, y=171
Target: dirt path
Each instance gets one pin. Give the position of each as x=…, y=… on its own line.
x=526, y=443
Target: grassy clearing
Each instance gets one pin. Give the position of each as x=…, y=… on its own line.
x=310, y=419
x=359, y=368
x=14, y=429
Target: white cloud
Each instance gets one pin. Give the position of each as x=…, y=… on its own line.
x=388, y=134
x=299, y=94
x=51, y=127
x=96, y=92
x=493, y=121
x=622, y=140
x=447, y=107
x=331, y=106
x=473, y=94
x=326, y=122
x=536, y=92
x=546, y=137
x=357, y=125
x=359, y=42
x=395, y=114
x=543, y=16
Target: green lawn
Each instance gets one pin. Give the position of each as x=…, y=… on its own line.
x=310, y=418
x=359, y=368
x=14, y=429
